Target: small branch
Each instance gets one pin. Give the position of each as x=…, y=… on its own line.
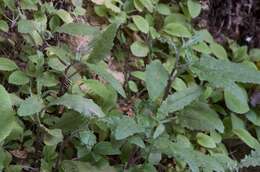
x=173, y=74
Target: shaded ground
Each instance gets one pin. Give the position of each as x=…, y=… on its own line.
x=236, y=19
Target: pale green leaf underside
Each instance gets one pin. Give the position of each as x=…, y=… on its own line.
x=80, y=104
x=223, y=73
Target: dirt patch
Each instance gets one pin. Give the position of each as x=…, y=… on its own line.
x=236, y=19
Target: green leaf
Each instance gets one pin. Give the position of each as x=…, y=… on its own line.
x=18, y=78
x=236, y=99
x=53, y=137
x=126, y=127
x=194, y=8
x=5, y=99
x=106, y=148
x=177, y=29
x=158, y=131
x=7, y=64
x=202, y=47
x=180, y=99
x=199, y=116
x=147, y=4
x=253, y=117
x=222, y=73
x=4, y=26
x=88, y=138
x=98, y=69
x=139, y=49
x=218, y=51
x=156, y=78
x=7, y=122
x=205, y=140
x=103, y=44
x=30, y=106
x=141, y=23
x=80, y=104
x=246, y=137
x=64, y=15
x=26, y=26
x=77, y=29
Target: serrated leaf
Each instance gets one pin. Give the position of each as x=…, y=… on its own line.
x=156, y=78
x=199, y=116
x=7, y=64
x=139, y=49
x=205, y=140
x=180, y=99
x=103, y=44
x=80, y=104
x=126, y=127
x=194, y=8
x=236, y=99
x=18, y=78
x=247, y=138
x=108, y=77
x=77, y=29
x=141, y=23
x=251, y=160
x=218, y=51
x=222, y=73
x=30, y=106
x=177, y=29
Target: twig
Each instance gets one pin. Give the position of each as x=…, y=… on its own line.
x=173, y=73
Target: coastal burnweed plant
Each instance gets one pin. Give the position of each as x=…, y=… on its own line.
x=122, y=85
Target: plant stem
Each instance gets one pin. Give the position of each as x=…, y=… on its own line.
x=173, y=74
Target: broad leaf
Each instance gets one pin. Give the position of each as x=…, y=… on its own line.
x=218, y=51
x=30, y=106
x=199, y=116
x=177, y=29
x=103, y=44
x=251, y=160
x=194, y=8
x=80, y=104
x=236, y=99
x=156, y=78
x=126, y=127
x=141, y=23
x=139, y=49
x=18, y=78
